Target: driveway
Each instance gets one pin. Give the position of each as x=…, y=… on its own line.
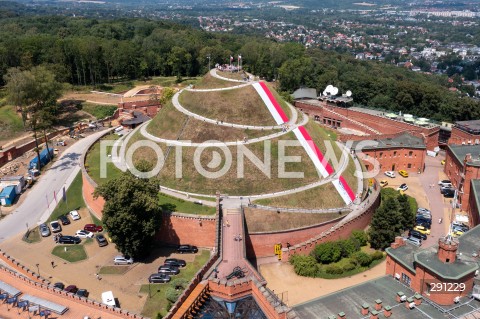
x=34, y=209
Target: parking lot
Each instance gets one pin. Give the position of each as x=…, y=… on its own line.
x=125, y=287
x=424, y=188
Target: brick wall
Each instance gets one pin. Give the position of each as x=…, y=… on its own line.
x=13, y=152
x=381, y=124
x=461, y=137
x=149, y=107
x=395, y=159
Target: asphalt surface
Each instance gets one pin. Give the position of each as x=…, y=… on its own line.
x=34, y=209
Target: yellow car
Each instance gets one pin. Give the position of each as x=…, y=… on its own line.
x=403, y=173
x=442, y=162
x=383, y=183
x=422, y=230
x=457, y=233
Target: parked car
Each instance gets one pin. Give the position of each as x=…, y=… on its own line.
x=449, y=193
x=415, y=241
x=101, y=240
x=175, y=262
x=187, y=249
x=461, y=227
x=402, y=187
x=75, y=215
x=44, y=230
x=390, y=174
x=122, y=260
x=417, y=234
x=422, y=229
x=424, y=216
x=59, y=285
x=55, y=226
x=423, y=222
x=64, y=219
x=457, y=233
x=168, y=270
x=159, y=278
x=84, y=234
x=445, y=183
x=423, y=210
x=444, y=189
x=403, y=173
x=383, y=183
x=93, y=228
x=72, y=288
x=82, y=293
x=69, y=240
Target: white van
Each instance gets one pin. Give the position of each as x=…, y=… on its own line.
x=415, y=241
x=118, y=129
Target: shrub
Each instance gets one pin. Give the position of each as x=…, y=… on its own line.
x=362, y=259
x=376, y=255
x=327, y=253
x=172, y=294
x=360, y=236
x=179, y=282
x=348, y=247
x=349, y=267
x=304, y=265
x=333, y=270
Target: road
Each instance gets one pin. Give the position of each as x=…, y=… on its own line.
x=34, y=209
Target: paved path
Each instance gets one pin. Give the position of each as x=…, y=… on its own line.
x=232, y=249
x=34, y=209
x=213, y=72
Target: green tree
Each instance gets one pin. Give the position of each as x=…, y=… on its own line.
x=360, y=236
x=328, y=252
x=407, y=215
x=386, y=224
x=131, y=213
x=362, y=259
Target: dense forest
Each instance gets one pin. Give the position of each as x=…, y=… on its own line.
x=84, y=51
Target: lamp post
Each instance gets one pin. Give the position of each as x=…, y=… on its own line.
x=208, y=57
x=38, y=269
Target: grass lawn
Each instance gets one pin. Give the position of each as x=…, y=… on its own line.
x=113, y=270
x=158, y=303
x=182, y=206
x=167, y=123
x=239, y=106
x=355, y=271
x=70, y=253
x=99, y=111
x=324, y=196
x=261, y=221
x=10, y=123
x=92, y=162
x=115, y=87
x=74, y=199
x=33, y=236
x=231, y=75
x=210, y=82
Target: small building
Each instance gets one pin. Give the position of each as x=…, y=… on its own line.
x=304, y=94
x=465, y=133
x=401, y=152
x=137, y=119
x=7, y=196
x=19, y=178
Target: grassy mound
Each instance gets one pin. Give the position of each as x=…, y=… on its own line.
x=239, y=106
x=210, y=82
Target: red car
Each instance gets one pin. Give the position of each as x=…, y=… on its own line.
x=93, y=228
x=72, y=288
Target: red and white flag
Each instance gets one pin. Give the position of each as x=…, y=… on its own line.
x=239, y=57
x=231, y=58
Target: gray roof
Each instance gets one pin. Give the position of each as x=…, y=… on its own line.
x=400, y=141
x=465, y=263
x=472, y=127
x=138, y=118
x=304, y=93
x=460, y=151
x=385, y=288
x=476, y=191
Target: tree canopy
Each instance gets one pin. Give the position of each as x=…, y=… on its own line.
x=131, y=214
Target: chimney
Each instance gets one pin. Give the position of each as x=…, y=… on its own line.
x=341, y=315
x=417, y=299
x=387, y=311
x=399, y=241
x=468, y=158
x=400, y=297
x=365, y=310
x=378, y=304
x=447, y=250
x=374, y=314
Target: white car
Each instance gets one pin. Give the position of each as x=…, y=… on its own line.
x=83, y=234
x=390, y=174
x=121, y=260
x=402, y=187
x=75, y=215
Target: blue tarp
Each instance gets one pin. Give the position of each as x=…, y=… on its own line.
x=7, y=196
x=45, y=157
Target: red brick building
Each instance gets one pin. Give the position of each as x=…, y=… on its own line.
x=443, y=273
x=462, y=166
x=401, y=152
x=148, y=107
x=465, y=132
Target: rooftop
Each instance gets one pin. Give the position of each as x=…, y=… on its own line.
x=409, y=255
x=476, y=191
x=472, y=127
x=138, y=118
x=385, y=288
x=400, y=141
x=304, y=93
x=460, y=151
